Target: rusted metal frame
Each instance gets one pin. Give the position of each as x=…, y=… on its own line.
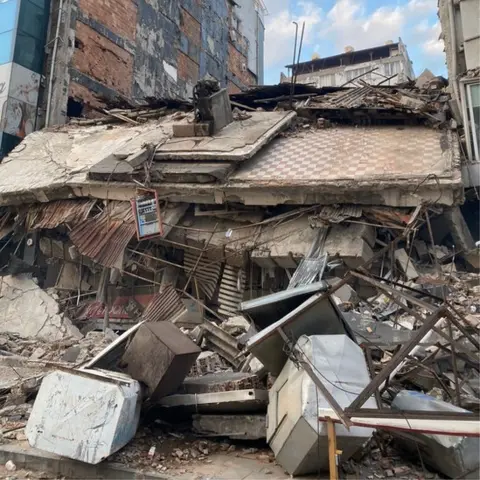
x=368, y=356
x=301, y=359
x=157, y=259
x=473, y=362
x=358, y=76
x=421, y=365
x=406, y=287
x=205, y=248
x=420, y=303
x=396, y=360
x=422, y=320
x=432, y=241
x=454, y=363
x=462, y=329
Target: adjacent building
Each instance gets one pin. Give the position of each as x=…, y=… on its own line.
x=387, y=64
x=64, y=58
x=461, y=36
x=23, y=30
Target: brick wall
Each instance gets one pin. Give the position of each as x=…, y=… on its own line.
x=103, y=60
x=119, y=16
x=237, y=63
x=188, y=70
x=232, y=88
x=191, y=27
x=82, y=94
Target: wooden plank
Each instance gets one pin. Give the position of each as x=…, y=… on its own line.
x=332, y=449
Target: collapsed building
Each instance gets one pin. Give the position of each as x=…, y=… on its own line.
x=331, y=215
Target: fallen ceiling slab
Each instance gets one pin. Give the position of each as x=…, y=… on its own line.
x=237, y=141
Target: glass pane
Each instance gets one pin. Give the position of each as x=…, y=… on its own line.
x=32, y=20
x=8, y=12
x=6, y=40
x=44, y=4
x=475, y=93
x=29, y=52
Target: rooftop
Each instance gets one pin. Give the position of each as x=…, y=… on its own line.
x=348, y=58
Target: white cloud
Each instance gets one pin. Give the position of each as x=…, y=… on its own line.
x=280, y=32
x=347, y=23
x=422, y=6
x=433, y=45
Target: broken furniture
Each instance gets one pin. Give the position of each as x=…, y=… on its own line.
x=86, y=414
x=160, y=356
x=294, y=432
x=318, y=315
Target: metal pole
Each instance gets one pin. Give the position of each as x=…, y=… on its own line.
x=293, y=63
x=52, y=66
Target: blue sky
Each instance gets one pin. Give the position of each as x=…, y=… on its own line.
x=333, y=24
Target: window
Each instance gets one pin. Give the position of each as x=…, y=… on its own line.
x=473, y=105
x=391, y=69
x=32, y=20
x=29, y=52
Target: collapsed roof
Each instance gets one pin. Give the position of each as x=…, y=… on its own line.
x=261, y=158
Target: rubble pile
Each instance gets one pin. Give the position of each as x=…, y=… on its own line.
x=191, y=320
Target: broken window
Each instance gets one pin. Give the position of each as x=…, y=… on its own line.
x=74, y=108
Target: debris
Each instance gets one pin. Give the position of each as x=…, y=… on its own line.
x=222, y=402
x=236, y=427
x=10, y=466
x=160, y=356
x=28, y=310
x=406, y=264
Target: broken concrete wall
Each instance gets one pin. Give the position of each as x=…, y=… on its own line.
x=30, y=311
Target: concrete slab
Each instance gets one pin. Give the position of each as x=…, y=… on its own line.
x=237, y=427
x=220, y=382
x=220, y=402
x=28, y=310
x=406, y=264
x=237, y=141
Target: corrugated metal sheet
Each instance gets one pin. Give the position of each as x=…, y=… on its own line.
x=207, y=273
x=53, y=214
x=335, y=214
x=232, y=288
x=164, y=306
x=105, y=237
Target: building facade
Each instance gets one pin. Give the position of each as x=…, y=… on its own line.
x=76, y=56
x=23, y=29
x=461, y=35
x=387, y=64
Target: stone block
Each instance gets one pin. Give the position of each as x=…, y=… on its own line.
x=236, y=427
x=352, y=243
x=183, y=129
x=221, y=382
